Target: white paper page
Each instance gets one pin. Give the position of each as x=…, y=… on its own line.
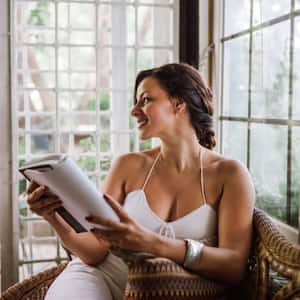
x=79, y=195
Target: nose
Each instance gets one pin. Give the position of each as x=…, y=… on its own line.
x=135, y=110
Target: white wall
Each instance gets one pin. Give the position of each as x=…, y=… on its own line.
x=8, y=274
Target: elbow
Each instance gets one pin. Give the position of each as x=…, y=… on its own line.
x=93, y=262
x=236, y=274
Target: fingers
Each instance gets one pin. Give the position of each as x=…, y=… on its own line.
x=32, y=186
x=117, y=207
x=106, y=222
x=46, y=206
x=45, y=202
x=36, y=194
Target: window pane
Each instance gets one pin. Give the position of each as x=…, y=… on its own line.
x=157, y=1
x=105, y=24
x=76, y=15
x=84, y=143
x=148, y=58
x=296, y=77
x=264, y=10
x=237, y=16
x=268, y=157
x=75, y=80
x=152, y=20
x=35, y=13
x=235, y=79
x=36, y=58
x=234, y=140
x=270, y=72
x=295, y=201
x=74, y=90
x=297, y=4
x=41, y=143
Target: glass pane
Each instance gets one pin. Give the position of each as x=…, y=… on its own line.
x=77, y=101
x=84, y=122
x=157, y=1
x=147, y=58
x=270, y=72
x=41, y=143
x=297, y=4
x=296, y=69
x=36, y=36
x=105, y=163
x=21, y=145
x=36, y=79
x=84, y=143
x=234, y=140
x=107, y=33
x=35, y=14
x=105, y=142
x=295, y=201
x=42, y=101
x=77, y=58
x=77, y=37
x=76, y=15
x=42, y=123
x=237, y=16
x=36, y=58
x=87, y=163
x=77, y=80
x=268, y=165
x=235, y=78
x=155, y=26
x=264, y=10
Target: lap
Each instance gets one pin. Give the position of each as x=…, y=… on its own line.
x=81, y=281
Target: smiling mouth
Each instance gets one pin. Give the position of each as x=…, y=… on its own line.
x=142, y=124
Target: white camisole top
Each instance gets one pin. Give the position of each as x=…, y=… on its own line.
x=199, y=224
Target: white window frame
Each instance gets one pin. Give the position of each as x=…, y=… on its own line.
x=9, y=149
x=291, y=233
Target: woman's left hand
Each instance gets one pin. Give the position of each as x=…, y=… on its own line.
x=126, y=234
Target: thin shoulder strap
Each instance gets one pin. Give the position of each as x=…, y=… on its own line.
x=202, y=176
x=150, y=171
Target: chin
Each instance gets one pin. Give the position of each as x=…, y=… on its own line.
x=144, y=136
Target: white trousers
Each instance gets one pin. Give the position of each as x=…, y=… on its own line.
x=79, y=281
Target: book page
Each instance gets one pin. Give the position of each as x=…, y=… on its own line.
x=79, y=195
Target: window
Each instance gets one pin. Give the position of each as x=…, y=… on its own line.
x=259, y=107
x=74, y=69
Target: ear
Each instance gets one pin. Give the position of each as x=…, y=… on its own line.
x=179, y=106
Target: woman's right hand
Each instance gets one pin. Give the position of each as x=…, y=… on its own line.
x=41, y=201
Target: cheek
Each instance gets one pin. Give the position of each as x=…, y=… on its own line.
x=159, y=113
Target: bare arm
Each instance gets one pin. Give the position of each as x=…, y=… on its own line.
x=84, y=245
x=227, y=262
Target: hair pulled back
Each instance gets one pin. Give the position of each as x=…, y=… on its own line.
x=185, y=83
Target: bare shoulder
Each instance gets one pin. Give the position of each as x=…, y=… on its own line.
x=236, y=180
x=231, y=169
x=226, y=168
x=135, y=161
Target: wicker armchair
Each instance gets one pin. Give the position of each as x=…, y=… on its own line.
x=273, y=273
x=34, y=288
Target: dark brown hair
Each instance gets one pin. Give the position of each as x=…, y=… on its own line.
x=184, y=82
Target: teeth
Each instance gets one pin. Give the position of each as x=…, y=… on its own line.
x=142, y=123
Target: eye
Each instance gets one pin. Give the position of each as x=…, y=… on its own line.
x=146, y=100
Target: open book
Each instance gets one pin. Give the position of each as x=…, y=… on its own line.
x=65, y=179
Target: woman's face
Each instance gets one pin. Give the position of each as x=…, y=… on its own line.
x=153, y=109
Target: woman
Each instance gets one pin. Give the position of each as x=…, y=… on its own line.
x=170, y=199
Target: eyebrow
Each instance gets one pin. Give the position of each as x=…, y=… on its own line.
x=140, y=96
